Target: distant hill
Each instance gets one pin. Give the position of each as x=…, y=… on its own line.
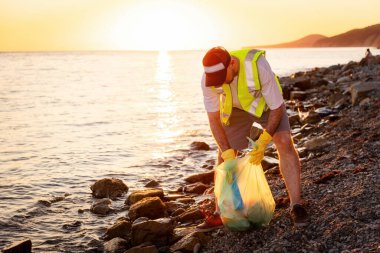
x=365, y=37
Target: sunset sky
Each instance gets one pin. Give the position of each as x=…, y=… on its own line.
x=173, y=24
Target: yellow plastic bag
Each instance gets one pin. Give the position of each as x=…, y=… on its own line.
x=249, y=186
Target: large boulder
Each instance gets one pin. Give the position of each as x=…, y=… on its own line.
x=205, y=178
x=19, y=247
x=145, y=193
x=101, y=206
x=108, y=188
x=156, y=231
x=151, y=207
x=120, y=229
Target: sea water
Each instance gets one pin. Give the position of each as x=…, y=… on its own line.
x=68, y=119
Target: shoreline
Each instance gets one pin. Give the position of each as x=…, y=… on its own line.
x=336, y=177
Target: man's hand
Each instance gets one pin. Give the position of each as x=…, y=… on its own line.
x=257, y=154
x=229, y=164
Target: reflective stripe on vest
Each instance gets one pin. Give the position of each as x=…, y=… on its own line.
x=248, y=87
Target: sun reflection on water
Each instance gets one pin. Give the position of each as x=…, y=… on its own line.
x=166, y=129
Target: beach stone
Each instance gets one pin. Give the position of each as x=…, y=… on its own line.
x=186, y=200
x=315, y=143
x=311, y=118
x=205, y=178
x=344, y=79
x=120, y=229
x=187, y=243
x=269, y=162
x=108, y=188
x=24, y=246
x=361, y=90
x=300, y=95
x=199, y=145
x=294, y=119
x=179, y=233
x=191, y=214
x=172, y=197
x=178, y=212
x=152, y=183
x=116, y=245
x=156, y=231
x=101, y=206
x=151, y=207
x=197, y=188
x=302, y=82
x=141, y=194
x=143, y=248
x=172, y=206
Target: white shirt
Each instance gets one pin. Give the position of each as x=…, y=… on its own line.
x=269, y=90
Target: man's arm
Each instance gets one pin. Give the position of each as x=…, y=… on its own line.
x=274, y=119
x=218, y=131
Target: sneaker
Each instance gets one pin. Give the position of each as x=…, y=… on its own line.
x=211, y=222
x=299, y=216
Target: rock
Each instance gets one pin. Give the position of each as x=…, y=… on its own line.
x=116, y=245
x=101, y=206
x=152, y=183
x=156, y=231
x=361, y=90
x=46, y=203
x=120, y=229
x=344, y=79
x=186, y=200
x=269, y=162
x=72, y=226
x=315, y=143
x=178, y=212
x=143, y=248
x=151, y=207
x=310, y=117
x=199, y=145
x=171, y=197
x=294, y=119
x=205, y=178
x=303, y=83
x=197, y=188
x=192, y=214
x=325, y=111
x=172, y=206
x=179, y=233
x=365, y=102
x=326, y=177
x=19, y=247
x=300, y=95
x=141, y=194
x=187, y=243
x=108, y=188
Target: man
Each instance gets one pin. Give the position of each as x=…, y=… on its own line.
x=239, y=88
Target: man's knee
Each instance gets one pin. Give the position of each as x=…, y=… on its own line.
x=283, y=141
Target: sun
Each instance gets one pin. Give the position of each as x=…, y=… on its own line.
x=156, y=25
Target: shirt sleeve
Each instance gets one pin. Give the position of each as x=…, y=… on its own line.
x=210, y=98
x=269, y=87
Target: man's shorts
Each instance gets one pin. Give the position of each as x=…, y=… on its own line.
x=241, y=126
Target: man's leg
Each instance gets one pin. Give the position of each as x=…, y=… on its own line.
x=290, y=165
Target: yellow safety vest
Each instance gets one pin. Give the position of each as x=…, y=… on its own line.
x=248, y=87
